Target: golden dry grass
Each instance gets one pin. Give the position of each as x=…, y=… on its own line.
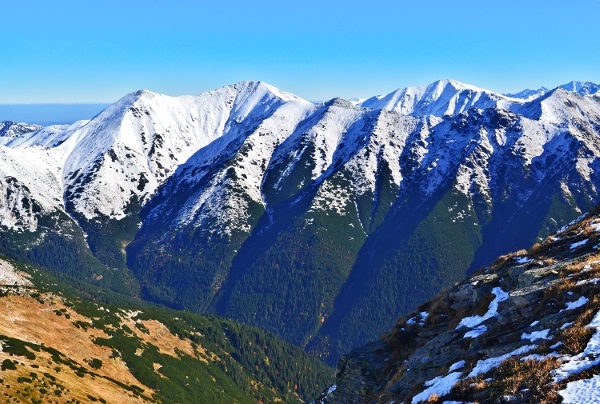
x=26, y=319
x=576, y=337
x=525, y=381
x=507, y=259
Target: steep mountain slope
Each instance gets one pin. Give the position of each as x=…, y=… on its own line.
x=58, y=346
x=525, y=329
x=580, y=87
x=495, y=182
x=346, y=169
x=303, y=219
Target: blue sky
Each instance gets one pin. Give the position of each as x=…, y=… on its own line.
x=76, y=51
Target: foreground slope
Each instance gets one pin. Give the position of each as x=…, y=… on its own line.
x=525, y=329
x=58, y=346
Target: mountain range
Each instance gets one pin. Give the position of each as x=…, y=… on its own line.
x=320, y=222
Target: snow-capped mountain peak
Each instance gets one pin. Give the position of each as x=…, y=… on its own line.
x=528, y=94
x=12, y=130
x=142, y=138
x=580, y=87
x=559, y=107
x=440, y=98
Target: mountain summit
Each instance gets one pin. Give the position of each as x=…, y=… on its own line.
x=440, y=98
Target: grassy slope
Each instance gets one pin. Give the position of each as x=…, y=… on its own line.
x=136, y=350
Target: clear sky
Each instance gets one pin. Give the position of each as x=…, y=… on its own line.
x=83, y=51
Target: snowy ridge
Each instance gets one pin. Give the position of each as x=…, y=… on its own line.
x=579, y=87
x=47, y=137
x=443, y=97
x=123, y=155
x=136, y=144
x=11, y=130
x=582, y=88
x=560, y=107
x=528, y=94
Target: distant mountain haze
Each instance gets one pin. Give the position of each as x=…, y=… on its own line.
x=49, y=114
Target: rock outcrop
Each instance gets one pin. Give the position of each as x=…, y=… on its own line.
x=525, y=329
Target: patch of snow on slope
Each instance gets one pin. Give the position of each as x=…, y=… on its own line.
x=576, y=304
x=579, y=244
x=583, y=391
x=532, y=336
x=584, y=360
x=473, y=175
x=474, y=321
x=485, y=365
x=476, y=332
x=10, y=276
x=331, y=197
x=440, y=386
x=456, y=366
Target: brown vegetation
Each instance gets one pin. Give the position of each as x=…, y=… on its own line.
x=46, y=320
x=524, y=381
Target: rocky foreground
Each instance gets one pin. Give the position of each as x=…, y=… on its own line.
x=525, y=329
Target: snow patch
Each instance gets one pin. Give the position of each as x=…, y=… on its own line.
x=474, y=321
x=583, y=391
x=439, y=386
x=456, y=366
x=476, y=332
x=576, y=304
x=523, y=260
x=485, y=365
x=536, y=335
x=579, y=244
x=419, y=319
x=588, y=358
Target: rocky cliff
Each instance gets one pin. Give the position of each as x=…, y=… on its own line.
x=525, y=329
